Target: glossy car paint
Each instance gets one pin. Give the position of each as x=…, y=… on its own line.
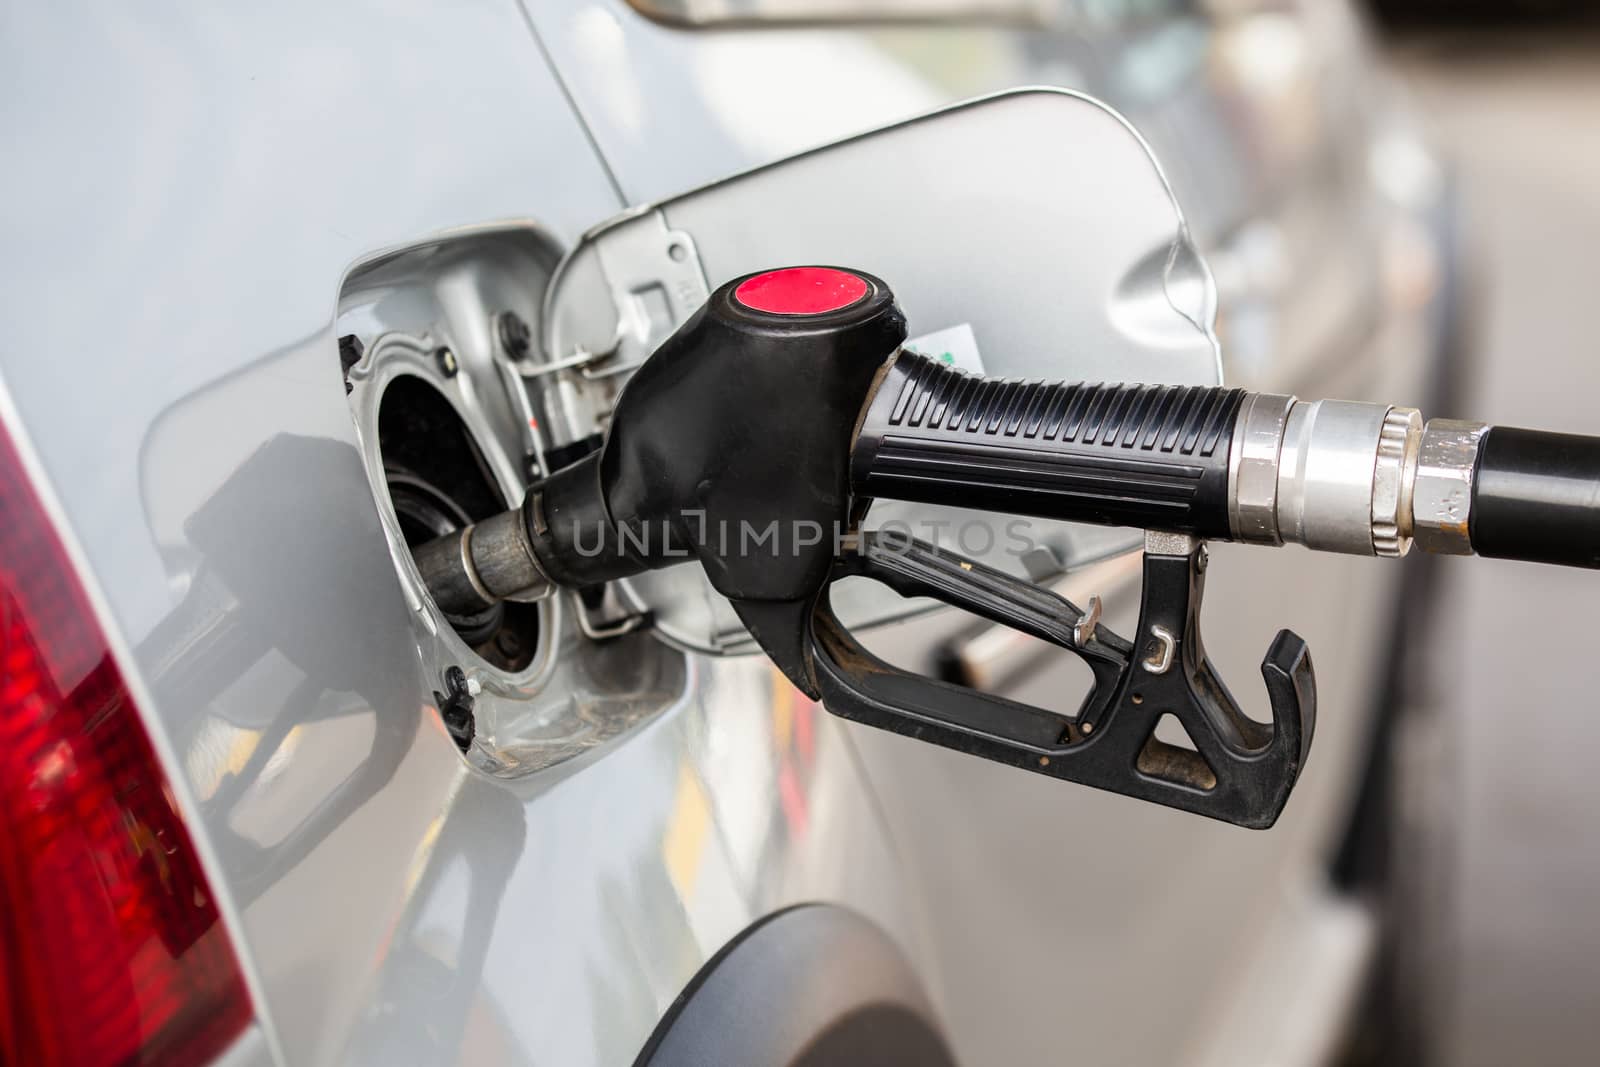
x=186, y=191
x=189, y=190
x=1156, y=936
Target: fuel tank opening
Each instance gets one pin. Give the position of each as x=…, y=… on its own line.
x=425, y=448
x=451, y=424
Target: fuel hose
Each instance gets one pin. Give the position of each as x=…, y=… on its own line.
x=1226, y=464
x=1536, y=496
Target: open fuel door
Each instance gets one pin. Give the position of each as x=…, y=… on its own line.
x=1026, y=235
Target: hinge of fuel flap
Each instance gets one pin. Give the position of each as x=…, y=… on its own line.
x=656, y=281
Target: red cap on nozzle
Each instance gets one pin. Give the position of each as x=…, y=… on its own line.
x=801, y=291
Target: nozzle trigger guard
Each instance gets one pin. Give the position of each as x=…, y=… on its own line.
x=1239, y=771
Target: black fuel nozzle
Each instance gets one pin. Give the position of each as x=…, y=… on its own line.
x=729, y=446
x=754, y=439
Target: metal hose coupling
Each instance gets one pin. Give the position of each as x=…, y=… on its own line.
x=1345, y=476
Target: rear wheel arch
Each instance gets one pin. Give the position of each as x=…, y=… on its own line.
x=811, y=985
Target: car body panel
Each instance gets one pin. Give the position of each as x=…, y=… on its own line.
x=1058, y=901
x=187, y=190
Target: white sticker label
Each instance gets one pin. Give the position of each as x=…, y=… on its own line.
x=956, y=346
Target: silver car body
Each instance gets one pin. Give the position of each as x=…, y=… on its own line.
x=187, y=190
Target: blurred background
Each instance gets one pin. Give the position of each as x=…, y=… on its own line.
x=1498, y=960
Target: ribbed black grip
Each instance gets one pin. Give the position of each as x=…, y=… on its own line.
x=1152, y=456
x=1536, y=497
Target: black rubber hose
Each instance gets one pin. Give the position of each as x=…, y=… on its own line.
x=1536, y=497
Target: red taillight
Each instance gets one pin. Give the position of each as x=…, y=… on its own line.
x=111, y=949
